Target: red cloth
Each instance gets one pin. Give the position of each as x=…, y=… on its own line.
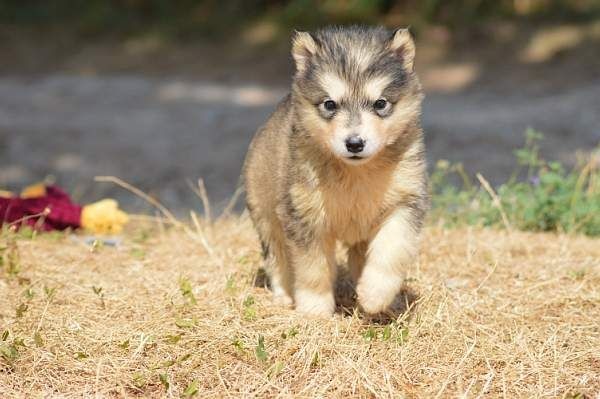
x=63, y=212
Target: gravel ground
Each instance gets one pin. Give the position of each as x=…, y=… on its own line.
x=160, y=133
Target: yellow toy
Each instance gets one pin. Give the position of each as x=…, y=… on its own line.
x=47, y=207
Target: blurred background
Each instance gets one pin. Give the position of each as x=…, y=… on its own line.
x=163, y=92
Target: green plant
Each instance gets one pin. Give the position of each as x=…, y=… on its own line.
x=249, y=308
x=9, y=254
x=260, y=351
x=548, y=197
x=187, y=291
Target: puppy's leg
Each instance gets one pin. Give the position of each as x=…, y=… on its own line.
x=314, y=276
x=392, y=248
x=357, y=256
x=274, y=256
x=281, y=276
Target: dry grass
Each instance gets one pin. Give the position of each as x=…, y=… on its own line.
x=490, y=313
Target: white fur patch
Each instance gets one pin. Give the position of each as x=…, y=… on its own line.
x=367, y=130
x=374, y=87
x=377, y=291
x=362, y=57
x=393, y=247
x=335, y=86
x=315, y=304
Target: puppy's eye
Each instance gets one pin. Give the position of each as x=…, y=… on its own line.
x=329, y=105
x=380, y=104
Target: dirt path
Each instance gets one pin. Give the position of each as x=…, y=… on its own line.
x=156, y=132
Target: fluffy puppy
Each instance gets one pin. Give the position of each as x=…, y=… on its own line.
x=341, y=160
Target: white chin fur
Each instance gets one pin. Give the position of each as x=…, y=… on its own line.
x=356, y=161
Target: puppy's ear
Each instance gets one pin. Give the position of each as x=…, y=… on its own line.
x=403, y=46
x=304, y=47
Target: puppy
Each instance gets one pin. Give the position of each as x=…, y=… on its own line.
x=341, y=160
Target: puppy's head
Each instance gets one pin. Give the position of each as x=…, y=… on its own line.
x=355, y=90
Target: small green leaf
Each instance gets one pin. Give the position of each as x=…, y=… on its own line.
x=244, y=259
x=50, y=292
x=191, y=390
x=184, y=358
x=173, y=339
x=27, y=232
x=316, y=360
x=29, y=293
x=249, y=301
x=185, y=323
x=9, y=352
x=250, y=314
x=164, y=380
x=138, y=253
x=21, y=309
x=138, y=379
x=97, y=245
x=387, y=333
x=261, y=353
x=166, y=364
x=124, y=344
x=402, y=335
x=370, y=334
x=187, y=291
x=37, y=338
x=81, y=355
x=238, y=345
x=291, y=333
x=275, y=369
x=230, y=285
x=249, y=308
x=577, y=274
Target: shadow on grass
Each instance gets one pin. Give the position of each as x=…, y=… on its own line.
x=347, y=305
x=346, y=301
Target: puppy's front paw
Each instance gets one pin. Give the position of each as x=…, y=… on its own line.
x=376, y=292
x=282, y=299
x=315, y=304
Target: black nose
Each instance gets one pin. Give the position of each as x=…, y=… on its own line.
x=355, y=144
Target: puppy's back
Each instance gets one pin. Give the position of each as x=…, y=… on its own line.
x=267, y=160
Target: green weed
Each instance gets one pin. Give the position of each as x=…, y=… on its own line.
x=191, y=390
x=100, y=294
x=315, y=361
x=390, y=332
x=164, y=380
x=10, y=260
x=541, y=196
x=138, y=253
x=249, y=308
x=260, y=351
x=291, y=333
x=38, y=339
x=186, y=323
x=187, y=291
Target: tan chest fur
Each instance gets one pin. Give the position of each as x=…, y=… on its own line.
x=353, y=206
x=346, y=204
